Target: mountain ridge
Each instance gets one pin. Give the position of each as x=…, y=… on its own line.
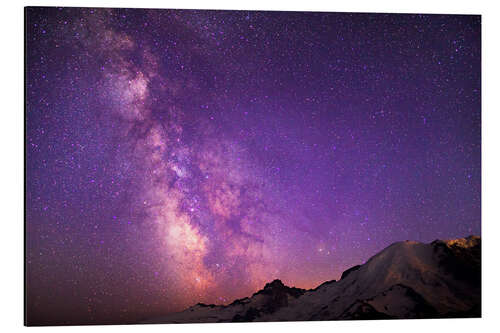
x=407, y=279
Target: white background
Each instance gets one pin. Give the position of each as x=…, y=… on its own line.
x=12, y=167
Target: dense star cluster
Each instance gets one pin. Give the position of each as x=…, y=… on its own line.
x=176, y=157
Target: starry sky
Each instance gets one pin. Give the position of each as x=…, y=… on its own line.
x=182, y=156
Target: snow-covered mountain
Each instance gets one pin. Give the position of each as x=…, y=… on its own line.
x=405, y=280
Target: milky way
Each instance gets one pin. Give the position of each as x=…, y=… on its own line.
x=176, y=157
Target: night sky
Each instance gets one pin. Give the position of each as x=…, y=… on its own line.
x=176, y=157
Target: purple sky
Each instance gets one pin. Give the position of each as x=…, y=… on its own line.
x=176, y=157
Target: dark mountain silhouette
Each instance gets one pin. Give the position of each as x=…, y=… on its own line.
x=405, y=280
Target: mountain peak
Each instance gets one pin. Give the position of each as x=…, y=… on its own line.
x=279, y=289
x=274, y=284
x=467, y=242
x=405, y=280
